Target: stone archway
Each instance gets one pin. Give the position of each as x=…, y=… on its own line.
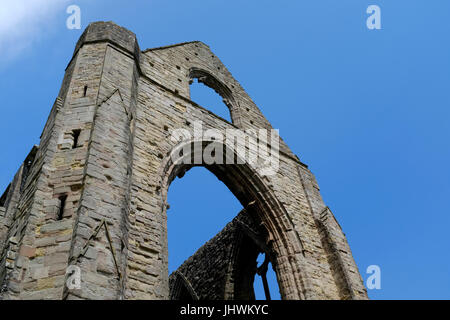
x=123, y=103
x=255, y=196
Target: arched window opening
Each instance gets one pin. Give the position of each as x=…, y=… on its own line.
x=211, y=94
x=214, y=243
x=245, y=269
x=266, y=284
x=253, y=274
x=208, y=99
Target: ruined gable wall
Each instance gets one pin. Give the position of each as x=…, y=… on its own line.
x=124, y=103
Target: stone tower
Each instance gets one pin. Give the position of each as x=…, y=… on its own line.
x=91, y=198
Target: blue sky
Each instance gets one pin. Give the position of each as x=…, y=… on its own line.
x=367, y=110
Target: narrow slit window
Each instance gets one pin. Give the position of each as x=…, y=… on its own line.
x=62, y=205
x=85, y=91
x=76, y=136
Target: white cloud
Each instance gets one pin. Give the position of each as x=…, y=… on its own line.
x=24, y=22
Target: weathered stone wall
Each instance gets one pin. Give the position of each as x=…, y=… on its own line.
x=345, y=272
x=104, y=156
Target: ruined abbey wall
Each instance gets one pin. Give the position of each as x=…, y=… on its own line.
x=93, y=194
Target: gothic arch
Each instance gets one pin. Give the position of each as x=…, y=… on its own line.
x=253, y=193
x=182, y=289
x=220, y=88
x=251, y=240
